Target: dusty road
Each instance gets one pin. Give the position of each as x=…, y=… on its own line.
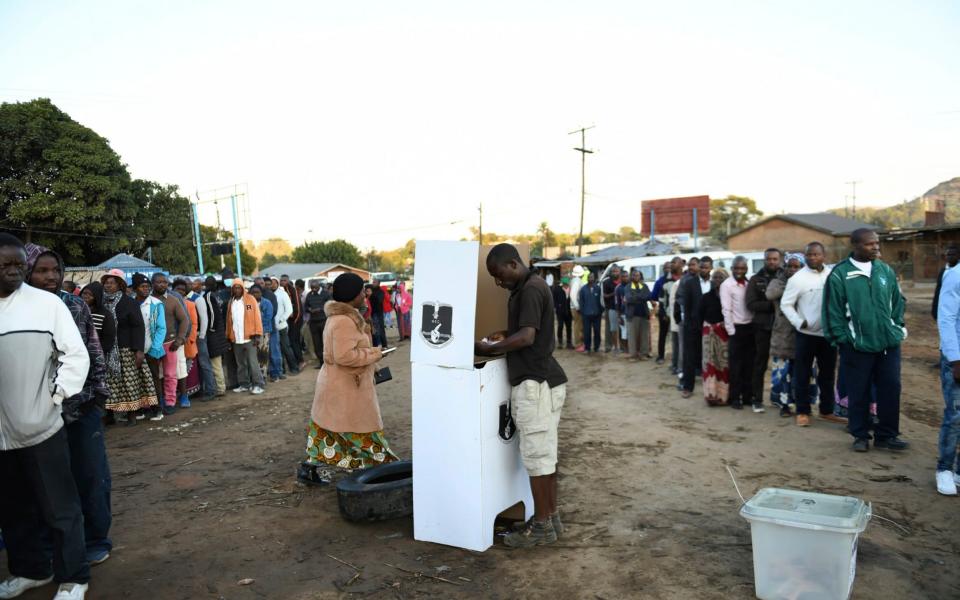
x=208, y=498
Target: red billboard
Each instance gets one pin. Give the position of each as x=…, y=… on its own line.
x=675, y=215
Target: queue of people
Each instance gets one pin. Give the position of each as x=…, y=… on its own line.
x=76, y=359
x=801, y=320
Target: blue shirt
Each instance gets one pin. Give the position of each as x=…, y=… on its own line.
x=948, y=315
x=266, y=315
x=589, y=299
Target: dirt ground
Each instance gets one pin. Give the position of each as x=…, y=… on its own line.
x=207, y=498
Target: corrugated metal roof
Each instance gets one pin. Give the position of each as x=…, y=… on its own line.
x=125, y=261
x=835, y=224
x=296, y=270
x=826, y=222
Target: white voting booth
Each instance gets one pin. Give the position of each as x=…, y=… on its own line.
x=464, y=473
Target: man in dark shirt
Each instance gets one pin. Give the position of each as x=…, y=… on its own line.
x=609, y=287
x=686, y=310
x=538, y=387
x=267, y=292
x=376, y=316
x=313, y=304
x=763, y=314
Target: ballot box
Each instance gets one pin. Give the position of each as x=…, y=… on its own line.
x=465, y=471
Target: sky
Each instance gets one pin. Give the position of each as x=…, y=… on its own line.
x=383, y=121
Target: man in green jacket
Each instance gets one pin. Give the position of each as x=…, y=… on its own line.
x=863, y=317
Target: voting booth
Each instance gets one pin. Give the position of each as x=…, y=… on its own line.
x=465, y=472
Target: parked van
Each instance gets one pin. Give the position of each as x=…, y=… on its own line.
x=723, y=259
x=650, y=265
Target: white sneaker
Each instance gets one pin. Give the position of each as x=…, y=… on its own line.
x=256, y=390
x=71, y=591
x=241, y=389
x=14, y=586
x=946, y=484
x=158, y=416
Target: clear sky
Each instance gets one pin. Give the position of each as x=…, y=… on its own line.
x=381, y=121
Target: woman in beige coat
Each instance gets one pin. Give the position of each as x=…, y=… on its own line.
x=345, y=430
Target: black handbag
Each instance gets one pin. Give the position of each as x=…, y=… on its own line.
x=507, y=427
x=381, y=375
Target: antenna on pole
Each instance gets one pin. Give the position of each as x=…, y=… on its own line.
x=853, y=196
x=583, y=179
x=480, y=227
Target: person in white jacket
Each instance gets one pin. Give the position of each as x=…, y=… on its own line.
x=801, y=304
x=44, y=362
x=284, y=310
x=576, y=282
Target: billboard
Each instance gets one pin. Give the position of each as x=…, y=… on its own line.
x=675, y=215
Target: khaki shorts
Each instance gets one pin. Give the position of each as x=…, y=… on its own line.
x=536, y=411
x=181, y=363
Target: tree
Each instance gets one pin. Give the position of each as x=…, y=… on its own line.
x=62, y=185
x=212, y=264
x=629, y=234
x=372, y=259
x=165, y=225
x=336, y=251
x=730, y=215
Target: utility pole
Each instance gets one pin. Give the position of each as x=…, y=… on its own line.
x=480, y=227
x=853, y=196
x=583, y=179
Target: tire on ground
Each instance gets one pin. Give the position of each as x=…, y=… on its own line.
x=378, y=493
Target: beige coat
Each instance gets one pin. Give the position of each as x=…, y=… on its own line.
x=345, y=400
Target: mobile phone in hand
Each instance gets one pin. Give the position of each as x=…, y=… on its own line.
x=389, y=350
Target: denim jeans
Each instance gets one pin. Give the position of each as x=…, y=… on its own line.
x=276, y=358
x=206, y=368
x=91, y=472
x=950, y=429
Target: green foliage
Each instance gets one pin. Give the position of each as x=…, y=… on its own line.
x=165, y=224
x=336, y=251
x=212, y=264
x=269, y=259
x=60, y=181
x=731, y=214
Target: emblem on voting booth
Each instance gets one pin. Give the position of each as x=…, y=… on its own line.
x=437, y=324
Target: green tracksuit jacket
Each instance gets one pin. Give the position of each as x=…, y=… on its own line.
x=865, y=312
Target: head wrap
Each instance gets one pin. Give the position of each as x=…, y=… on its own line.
x=346, y=287
x=795, y=256
x=33, y=252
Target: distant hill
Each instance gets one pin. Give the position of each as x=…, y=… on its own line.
x=911, y=213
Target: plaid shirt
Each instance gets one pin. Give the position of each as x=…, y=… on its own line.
x=95, y=390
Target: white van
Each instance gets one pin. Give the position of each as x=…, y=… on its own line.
x=650, y=265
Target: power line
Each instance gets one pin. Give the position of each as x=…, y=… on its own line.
x=583, y=178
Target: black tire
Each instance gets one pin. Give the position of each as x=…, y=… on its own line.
x=378, y=493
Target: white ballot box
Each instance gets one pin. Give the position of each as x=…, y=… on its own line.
x=464, y=473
